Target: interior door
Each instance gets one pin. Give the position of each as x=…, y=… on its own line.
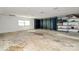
x=37, y=24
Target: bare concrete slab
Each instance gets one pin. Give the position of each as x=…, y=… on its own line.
x=38, y=40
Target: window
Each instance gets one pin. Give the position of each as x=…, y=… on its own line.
x=27, y=23
x=23, y=23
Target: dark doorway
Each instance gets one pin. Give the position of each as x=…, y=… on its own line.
x=54, y=23
x=49, y=23
x=37, y=23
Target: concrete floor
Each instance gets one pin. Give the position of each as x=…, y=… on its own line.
x=38, y=40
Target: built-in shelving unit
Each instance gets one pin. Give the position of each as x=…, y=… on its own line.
x=68, y=25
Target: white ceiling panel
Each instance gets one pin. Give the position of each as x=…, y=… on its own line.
x=38, y=12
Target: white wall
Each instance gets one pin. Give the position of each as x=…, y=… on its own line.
x=10, y=24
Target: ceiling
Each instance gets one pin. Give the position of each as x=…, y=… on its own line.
x=38, y=12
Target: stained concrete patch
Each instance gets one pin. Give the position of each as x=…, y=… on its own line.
x=15, y=48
